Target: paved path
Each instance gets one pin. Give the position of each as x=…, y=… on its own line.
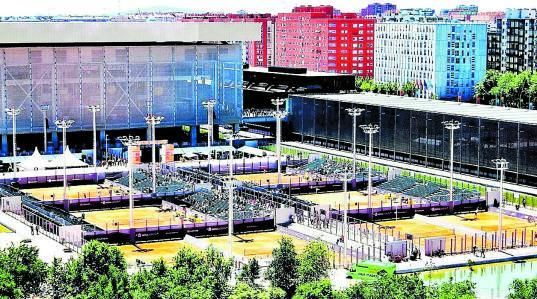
x=48, y=248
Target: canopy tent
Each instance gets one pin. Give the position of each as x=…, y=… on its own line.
x=34, y=162
x=255, y=151
x=67, y=159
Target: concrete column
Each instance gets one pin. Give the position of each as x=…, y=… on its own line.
x=55, y=142
x=5, y=147
x=194, y=130
x=101, y=142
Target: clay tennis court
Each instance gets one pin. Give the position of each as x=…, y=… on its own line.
x=152, y=251
x=263, y=179
x=417, y=228
x=79, y=191
x=487, y=221
x=259, y=245
x=143, y=217
x=357, y=199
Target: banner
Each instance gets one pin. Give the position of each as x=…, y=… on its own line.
x=135, y=154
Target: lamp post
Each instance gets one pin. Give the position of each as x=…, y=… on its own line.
x=231, y=137
x=94, y=109
x=279, y=115
x=129, y=142
x=451, y=125
x=370, y=130
x=354, y=112
x=153, y=120
x=106, y=148
x=13, y=112
x=209, y=105
x=64, y=124
x=44, y=109
x=278, y=102
x=346, y=202
x=502, y=165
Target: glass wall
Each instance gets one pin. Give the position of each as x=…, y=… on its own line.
x=420, y=138
x=129, y=82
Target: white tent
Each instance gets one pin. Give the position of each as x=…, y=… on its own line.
x=67, y=159
x=34, y=162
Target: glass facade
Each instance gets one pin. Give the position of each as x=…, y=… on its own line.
x=419, y=138
x=128, y=81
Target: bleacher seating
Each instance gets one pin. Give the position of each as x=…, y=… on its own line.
x=422, y=190
x=398, y=184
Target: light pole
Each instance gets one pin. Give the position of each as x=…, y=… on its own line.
x=209, y=105
x=13, y=112
x=502, y=165
x=106, y=148
x=451, y=125
x=64, y=124
x=278, y=102
x=354, y=112
x=345, y=229
x=153, y=120
x=279, y=115
x=129, y=142
x=370, y=129
x=232, y=137
x=44, y=109
x=94, y=109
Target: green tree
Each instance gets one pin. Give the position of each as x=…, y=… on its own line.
x=410, y=89
x=21, y=264
x=250, y=273
x=321, y=289
x=282, y=271
x=8, y=287
x=57, y=276
x=523, y=289
x=314, y=262
x=483, y=88
x=390, y=286
x=460, y=290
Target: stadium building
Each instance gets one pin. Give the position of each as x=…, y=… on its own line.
x=411, y=131
x=55, y=70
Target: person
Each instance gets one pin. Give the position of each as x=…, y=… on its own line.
x=482, y=252
x=524, y=202
x=37, y=230
x=32, y=229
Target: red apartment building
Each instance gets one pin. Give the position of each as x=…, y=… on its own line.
x=258, y=53
x=320, y=38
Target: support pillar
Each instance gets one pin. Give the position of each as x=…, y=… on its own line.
x=194, y=130
x=101, y=141
x=5, y=147
x=216, y=136
x=55, y=143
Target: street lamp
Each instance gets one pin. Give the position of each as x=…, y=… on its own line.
x=278, y=102
x=279, y=115
x=44, y=109
x=209, y=105
x=346, y=202
x=14, y=112
x=370, y=129
x=354, y=112
x=231, y=137
x=129, y=142
x=94, y=109
x=502, y=165
x=152, y=121
x=64, y=124
x=451, y=125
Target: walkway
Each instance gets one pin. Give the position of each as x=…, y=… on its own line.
x=48, y=248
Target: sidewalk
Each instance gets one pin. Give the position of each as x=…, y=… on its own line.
x=48, y=248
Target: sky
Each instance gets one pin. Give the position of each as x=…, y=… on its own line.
x=85, y=7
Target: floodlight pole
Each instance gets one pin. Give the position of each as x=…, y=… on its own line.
x=345, y=216
x=209, y=105
x=94, y=109
x=502, y=165
x=370, y=130
x=44, y=109
x=129, y=142
x=64, y=124
x=14, y=112
x=230, y=196
x=354, y=112
x=451, y=125
x=152, y=121
x=279, y=115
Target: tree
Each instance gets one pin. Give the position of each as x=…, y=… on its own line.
x=523, y=289
x=8, y=287
x=483, y=88
x=461, y=290
x=410, y=89
x=390, y=286
x=250, y=273
x=282, y=271
x=21, y=265
x=57, y=276
x=314, y=262
x=314, y=290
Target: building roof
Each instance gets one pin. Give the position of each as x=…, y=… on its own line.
x=307, y=74
x=514, y=115
x=13, y=33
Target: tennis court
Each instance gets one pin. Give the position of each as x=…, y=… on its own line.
x=271, y=178
x=417, y=228
x=487, y=221
x=143, y=217
x=149, y=252
x=259, y=245
x=357, y=199
x=79, y=191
